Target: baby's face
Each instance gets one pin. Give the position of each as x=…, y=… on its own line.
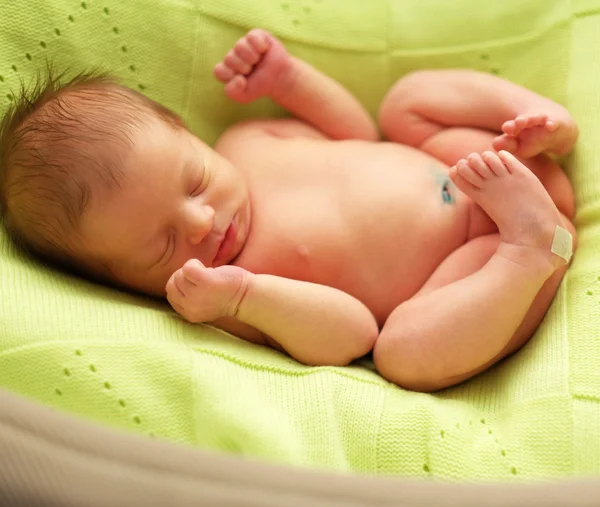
x=178, y=200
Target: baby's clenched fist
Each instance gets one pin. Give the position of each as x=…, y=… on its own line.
x=253, y=67
x=201, y=294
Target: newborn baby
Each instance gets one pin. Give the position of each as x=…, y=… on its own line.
x=310, y=234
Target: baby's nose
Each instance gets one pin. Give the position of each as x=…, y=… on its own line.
x=200, y=223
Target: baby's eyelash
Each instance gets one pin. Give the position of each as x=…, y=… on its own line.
x=204, y=180
x=195, y=192
x=170, y=246
x=198, y=187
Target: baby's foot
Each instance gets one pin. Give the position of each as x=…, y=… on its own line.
x=531, y=134
x=253, y=67
x=515, y=199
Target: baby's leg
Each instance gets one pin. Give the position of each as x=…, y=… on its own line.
x=455, y=328
x=451, y=113
x=426, y=102
x=471, y=257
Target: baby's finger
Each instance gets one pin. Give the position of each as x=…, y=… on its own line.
x=236, y=86
x=172, y=288
x=174, y=301
x=177, y=307
x=236, y=64
x=182, y=284
x=223, y=73
x=246, y=52
x=194, y=272
x=258, y=39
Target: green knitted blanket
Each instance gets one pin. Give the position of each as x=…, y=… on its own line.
x=131, y=363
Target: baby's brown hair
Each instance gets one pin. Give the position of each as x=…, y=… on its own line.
x=58, y=141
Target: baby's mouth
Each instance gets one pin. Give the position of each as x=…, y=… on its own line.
x=227, y=243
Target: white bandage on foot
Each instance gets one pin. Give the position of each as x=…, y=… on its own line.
x=562, y=245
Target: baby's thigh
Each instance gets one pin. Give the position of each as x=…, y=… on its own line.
x=472, y=256
x=483, y=240
x=462, y=262
x=452, y=144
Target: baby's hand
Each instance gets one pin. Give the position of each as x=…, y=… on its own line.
x=201, y=294
x=253, y=67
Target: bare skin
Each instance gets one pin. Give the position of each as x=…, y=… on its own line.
x=341, y=243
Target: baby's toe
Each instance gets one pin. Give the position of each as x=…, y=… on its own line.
x=468, y=173
x=505, y=142
x=494, y=163
x=551, y=125
x=510, y=163
x=464, y=185
x=509, y=127
x=521, y=122
x=537, y=119
x=478, y=164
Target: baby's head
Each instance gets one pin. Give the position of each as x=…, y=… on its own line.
x=102, y=181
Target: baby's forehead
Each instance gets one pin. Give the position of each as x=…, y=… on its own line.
x=96, y=116
x=94, y=100
x=99, y=134
x=78, y=121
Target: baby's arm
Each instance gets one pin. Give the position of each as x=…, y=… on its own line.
x=426, y=102
x=315, y=324
x=259, y=66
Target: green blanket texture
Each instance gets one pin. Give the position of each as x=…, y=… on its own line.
x=130, y=362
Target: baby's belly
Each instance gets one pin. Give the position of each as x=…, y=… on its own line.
x=372, y=220
x=395, y=252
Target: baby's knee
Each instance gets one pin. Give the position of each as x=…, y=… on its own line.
x=397, y=121
x=397, y=360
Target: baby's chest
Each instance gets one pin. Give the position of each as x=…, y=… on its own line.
x=350, y=225
x=341, y=190
x=367, y=220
